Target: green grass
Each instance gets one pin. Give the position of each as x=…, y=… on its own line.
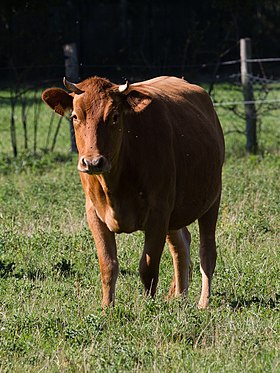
x=50, y=293
x=41, y=125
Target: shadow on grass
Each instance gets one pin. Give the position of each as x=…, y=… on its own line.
x=9, y=270
x=6, y=269
x=241, y=303
x=127, y=272
x=63, y=268
x=245, y=303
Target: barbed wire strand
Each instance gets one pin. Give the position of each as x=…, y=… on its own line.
x=232, y=103
x=231, y=62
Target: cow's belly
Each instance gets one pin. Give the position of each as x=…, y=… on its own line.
x=129, y=215
x=188, y=213
x=194, y=204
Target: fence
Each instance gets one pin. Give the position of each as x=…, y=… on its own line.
x=27, y=125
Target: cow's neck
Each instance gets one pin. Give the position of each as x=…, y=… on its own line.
x=109, y=183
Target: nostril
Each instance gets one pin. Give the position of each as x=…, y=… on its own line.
x=98, y=162
x=85, y=162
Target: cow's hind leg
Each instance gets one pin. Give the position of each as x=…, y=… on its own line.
x=208, y=254
x=179, y=246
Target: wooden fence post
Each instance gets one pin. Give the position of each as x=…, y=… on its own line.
x=71, y=73
x=250, y=109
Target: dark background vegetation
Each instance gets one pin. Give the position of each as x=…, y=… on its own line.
x=137, y=39
x=50, y=293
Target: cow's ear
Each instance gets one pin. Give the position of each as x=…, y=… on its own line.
x=130, y=99
x=138, y=101
x=58, y=99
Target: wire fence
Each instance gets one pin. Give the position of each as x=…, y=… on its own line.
x=26, y=125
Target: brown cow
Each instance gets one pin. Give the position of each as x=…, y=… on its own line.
x=150, y=159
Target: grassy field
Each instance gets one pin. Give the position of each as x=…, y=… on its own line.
x=50, y=292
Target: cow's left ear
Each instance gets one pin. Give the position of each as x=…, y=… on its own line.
x=131, y=98
x=138, y=101
x=58, y=99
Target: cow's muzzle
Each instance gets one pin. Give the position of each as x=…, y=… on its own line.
x=97, y=165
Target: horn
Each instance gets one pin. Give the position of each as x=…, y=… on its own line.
x=72, y=87
x=124, y=87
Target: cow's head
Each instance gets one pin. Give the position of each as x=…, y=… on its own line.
x=98, y=108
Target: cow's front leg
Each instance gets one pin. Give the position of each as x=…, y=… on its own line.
x=150, y=260
x=107, y=255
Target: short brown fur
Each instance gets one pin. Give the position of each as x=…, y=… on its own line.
x=150, y=159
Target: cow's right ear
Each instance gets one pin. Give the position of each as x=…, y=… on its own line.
x=58, y=99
